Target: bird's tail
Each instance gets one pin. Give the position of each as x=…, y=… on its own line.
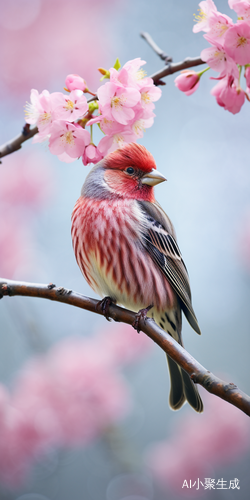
x=182, y=388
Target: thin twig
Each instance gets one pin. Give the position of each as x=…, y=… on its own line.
x=200, y=375
x=155, y=47
x=170, y=67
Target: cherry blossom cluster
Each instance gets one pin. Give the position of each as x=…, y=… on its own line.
x=67, y=397
x=228, y=54
x=124, y=104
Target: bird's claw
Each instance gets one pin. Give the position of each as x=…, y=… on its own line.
x=104, y=305
x=141, y=315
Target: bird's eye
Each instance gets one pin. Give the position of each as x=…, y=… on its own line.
x=130, y=170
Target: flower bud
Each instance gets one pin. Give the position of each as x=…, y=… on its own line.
x=104, y=72
x=187, y=81
x=75, y=82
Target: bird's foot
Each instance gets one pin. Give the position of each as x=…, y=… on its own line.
x=141, y=315
x=104, y=305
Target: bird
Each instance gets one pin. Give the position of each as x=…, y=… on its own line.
x=125, y=246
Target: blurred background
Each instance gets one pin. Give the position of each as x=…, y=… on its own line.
x=122, y=442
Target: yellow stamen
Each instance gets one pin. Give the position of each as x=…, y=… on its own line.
x=118, y=102
x=140, y=74
x=241, y=41
x=44, y=118
x=145, y=97
x=69, y=105
x=119, y=139
x=221, y=28
x=68, y=138
x=139, y=127
x=200, y=17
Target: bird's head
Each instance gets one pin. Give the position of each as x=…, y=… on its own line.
x=129, y=172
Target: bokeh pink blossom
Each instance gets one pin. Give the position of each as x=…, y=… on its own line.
x=200, y=447
x=26, y=187
x=39, y=43
x=67, y=397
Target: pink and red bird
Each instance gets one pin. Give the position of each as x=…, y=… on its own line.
x=125, y=246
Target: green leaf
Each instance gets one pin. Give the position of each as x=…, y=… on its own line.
x=117, y=64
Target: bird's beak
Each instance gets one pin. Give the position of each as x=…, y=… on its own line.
x=152, y=178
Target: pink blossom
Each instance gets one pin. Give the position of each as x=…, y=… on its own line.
x=65, y=158
x=110, y=143
x=217, y=58
x=149, y=94
x=229, y=95
x=91, y=154
x=232, y=3
x=188, y=81
x=143, y=119
x=218, y=89
x=120, y=77
x=41, y=110
x=75, y=82
x=71, y=107
x=218, y=26
x=242, y=7
x=237, y=43
x=130, y=75
x=117, y=134
x=69, y=138
x=109, y=127
x=34, y=109
x=218, y=437
x=140, y=125
x=207, y=7
x=136, y=75
x=41, y=137
x=116, y=102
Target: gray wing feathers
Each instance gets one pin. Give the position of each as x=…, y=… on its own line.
x=158, y=237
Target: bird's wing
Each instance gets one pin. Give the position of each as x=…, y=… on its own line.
x=158, y=237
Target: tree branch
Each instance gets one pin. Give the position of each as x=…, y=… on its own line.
x=200, y=375
x=16, y=143
x=189, y=62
